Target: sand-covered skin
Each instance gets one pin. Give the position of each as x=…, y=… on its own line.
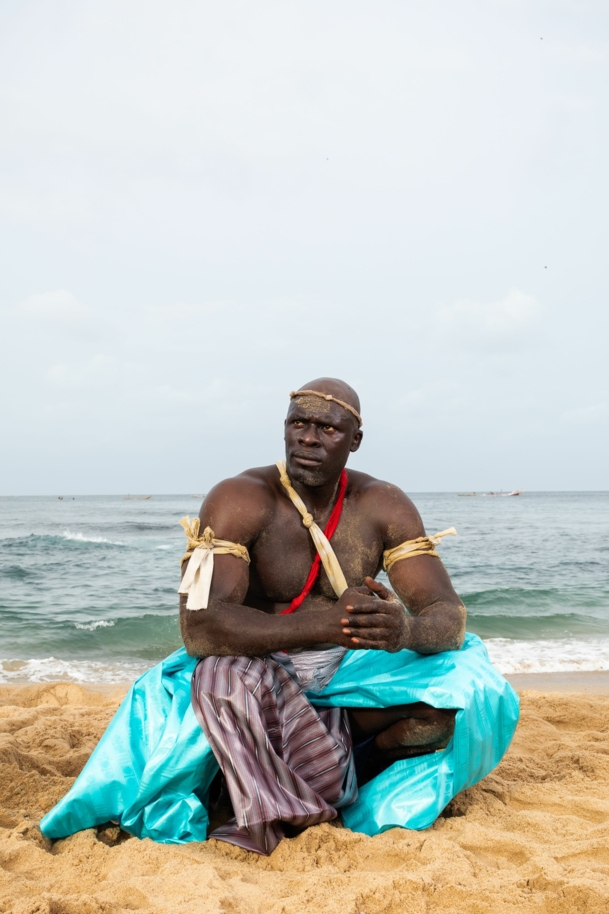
x=534, y=836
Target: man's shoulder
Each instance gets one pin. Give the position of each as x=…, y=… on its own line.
x=392, y=508
x=373, y=488
x=240, y=505
x=256, y=485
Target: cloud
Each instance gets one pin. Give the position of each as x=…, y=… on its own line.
x=587, y=415
x=101, y=371
x=507, y=323
x=59, y=306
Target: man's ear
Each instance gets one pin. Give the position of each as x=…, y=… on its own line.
x=357, y=440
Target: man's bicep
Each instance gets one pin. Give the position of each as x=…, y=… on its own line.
x=234, y=512
x=229, y=585
x=420, y=581
x=231, y=579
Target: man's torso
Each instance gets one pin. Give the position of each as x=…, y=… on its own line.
x=281, y=548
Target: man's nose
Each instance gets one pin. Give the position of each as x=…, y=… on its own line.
x=309, y=436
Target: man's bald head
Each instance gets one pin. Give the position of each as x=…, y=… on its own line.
x=336, y=388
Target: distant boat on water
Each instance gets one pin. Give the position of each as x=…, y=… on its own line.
x=489, y=494
x=503, y=494
x=137, y=497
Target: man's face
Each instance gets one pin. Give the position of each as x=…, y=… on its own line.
x=319, y=436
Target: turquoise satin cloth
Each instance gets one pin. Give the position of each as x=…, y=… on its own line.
x=152, y=769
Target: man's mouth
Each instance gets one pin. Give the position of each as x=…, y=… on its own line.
x=306, y=460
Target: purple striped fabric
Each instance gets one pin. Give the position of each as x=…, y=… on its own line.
x=284, y=760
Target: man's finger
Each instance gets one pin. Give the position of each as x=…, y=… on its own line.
x=379, y=589
x=366, y=644
x=365, y=605
x=354, y=593
x=372, y=635
x=368, y=620
x=388, y=607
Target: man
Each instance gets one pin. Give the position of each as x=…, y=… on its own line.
x=309, y=664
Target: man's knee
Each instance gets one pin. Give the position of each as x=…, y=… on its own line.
x=441, y=717
x=431, y=728
x=440, y=722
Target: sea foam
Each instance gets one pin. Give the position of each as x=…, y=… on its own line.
x=50, y=669
x=91, y=626
x=81, y=538
x=549, y=656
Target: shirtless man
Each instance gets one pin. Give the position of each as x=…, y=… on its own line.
x=310, y=697
x=244, y=618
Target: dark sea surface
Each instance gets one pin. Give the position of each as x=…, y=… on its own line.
x=88, y=585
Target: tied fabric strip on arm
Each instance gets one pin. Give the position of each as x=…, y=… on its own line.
x=423, y=545
x=322, y=544
x=200, y=551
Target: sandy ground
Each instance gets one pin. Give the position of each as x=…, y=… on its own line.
x=534, y=836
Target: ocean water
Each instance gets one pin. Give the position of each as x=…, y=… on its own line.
x=88, y=585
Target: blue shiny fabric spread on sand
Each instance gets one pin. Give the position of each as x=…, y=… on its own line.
x=153, y=767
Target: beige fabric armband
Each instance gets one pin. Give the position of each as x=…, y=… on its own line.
x=423, y=545
x=200, y=551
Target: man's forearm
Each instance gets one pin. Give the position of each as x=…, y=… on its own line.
x=439, y=627
x=229, y=629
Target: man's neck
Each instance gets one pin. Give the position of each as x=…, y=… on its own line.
x=318, y=499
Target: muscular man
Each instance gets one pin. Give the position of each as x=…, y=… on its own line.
x=303, y=678
x=245, y=616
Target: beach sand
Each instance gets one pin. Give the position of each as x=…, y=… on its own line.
x=533, y=836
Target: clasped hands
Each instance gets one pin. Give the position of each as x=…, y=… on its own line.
x=371, y=618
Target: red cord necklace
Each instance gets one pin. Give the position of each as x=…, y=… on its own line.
x=329, y=532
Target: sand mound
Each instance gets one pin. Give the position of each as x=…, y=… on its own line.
x=534, y=836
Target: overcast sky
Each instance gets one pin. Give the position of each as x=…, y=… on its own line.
x=204, y=205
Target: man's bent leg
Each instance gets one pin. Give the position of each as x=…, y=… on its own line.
x=399, y=732
x=284, y=761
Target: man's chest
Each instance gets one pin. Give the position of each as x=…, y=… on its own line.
x=283, y=554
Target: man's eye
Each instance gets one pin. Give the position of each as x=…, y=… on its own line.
x=298, y=422
x=328, y=428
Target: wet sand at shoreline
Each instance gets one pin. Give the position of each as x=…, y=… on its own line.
x=589, y=683
x=592, y=682
x=533, y=836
